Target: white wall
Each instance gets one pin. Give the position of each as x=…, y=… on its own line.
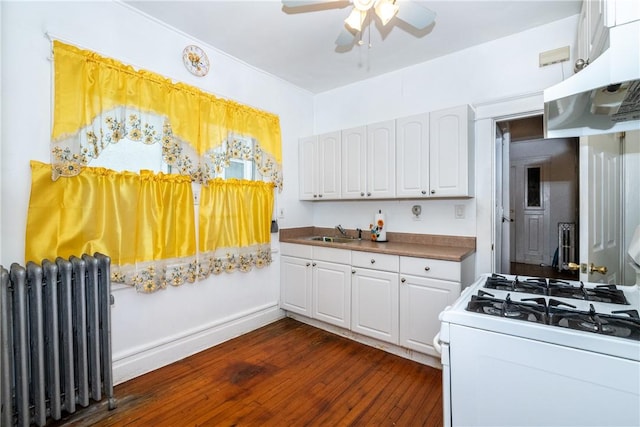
x=148, y=330
x=502, y=69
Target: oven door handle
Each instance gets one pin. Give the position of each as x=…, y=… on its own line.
x=437, y=344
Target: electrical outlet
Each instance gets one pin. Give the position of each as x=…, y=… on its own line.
x=459, y=211
x=281, y=213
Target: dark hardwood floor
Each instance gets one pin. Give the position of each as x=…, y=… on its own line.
x=285, y=374
x=547, y=271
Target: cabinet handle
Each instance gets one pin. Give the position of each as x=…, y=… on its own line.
x=403, y=280
x=320, y=195
x=362, y=194
x=373, y=261
x=353, y=272
x=433, y=191
x=308, y=264
x=314, y=264
x=368, y=194
x=427, y=268
x=424, y=191
x=315, y=195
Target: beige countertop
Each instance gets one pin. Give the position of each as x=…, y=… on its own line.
x=448, y=248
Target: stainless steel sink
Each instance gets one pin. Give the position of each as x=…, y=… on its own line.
x=331, y=239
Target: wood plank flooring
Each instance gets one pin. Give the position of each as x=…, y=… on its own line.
x=284, y=374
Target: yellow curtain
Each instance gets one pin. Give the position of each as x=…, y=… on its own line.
x=99, y=100
x=234, y=225
x=144, y=222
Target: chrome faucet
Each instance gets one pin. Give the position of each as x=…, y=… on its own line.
x=341, y=230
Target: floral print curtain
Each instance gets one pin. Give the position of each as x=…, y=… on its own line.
x=99, y=101
x=146, y=222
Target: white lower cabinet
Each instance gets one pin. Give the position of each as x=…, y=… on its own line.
x=396, y=299
x=316, y=282
x=426, y=287
x=332, y=293
x=421, y=301
x=295, y=278
x=374, y=295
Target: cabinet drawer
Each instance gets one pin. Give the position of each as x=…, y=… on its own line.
x=298, y=251
x=375, y=261
x=433, y=268
x=340, y=256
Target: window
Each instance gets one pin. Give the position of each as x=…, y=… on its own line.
x=534, y=187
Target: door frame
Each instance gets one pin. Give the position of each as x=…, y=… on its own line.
x=495, y=111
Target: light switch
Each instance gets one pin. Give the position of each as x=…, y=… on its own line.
x=459, y=211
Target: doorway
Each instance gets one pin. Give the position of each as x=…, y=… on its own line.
x=539, y=199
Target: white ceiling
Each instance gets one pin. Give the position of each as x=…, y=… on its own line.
x=300, y=47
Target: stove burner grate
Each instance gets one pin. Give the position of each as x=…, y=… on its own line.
x=557, y=288
x=623, y=323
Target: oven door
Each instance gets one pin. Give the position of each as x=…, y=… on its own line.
x=502, y=380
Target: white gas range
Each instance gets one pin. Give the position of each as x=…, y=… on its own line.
x=524, y=351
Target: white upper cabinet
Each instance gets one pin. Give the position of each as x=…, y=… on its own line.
x=592, y=32
x=308, y=176
x=354, y=163
x=412, y=150
x=451, y=152
x=622, y=11
x=426, y=155
x=368, y=161
x=319, y=163
x=381, y=159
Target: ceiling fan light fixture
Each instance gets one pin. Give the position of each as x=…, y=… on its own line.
x=355, y=19
x=386, y=9
x=363, y=5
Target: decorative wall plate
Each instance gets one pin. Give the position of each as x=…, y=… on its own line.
x=195, y=60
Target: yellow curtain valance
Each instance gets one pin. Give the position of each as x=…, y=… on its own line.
x=99, y=101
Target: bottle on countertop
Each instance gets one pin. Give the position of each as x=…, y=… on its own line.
x=378, y=228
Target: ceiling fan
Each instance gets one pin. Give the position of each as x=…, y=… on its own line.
x=363, y=11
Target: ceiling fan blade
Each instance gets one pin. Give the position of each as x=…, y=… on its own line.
x=345, y=38
x=415, y=15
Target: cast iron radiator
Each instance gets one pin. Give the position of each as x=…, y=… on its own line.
x=566, y=244
x=55, y=330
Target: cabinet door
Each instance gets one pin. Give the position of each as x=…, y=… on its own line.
x=598, y=32
x=332, y=293
x=307, y=168
x=450, y=167
x=295, y=285
x=421, y=302
x=412, y=149
x=329, y=165
x=381, y=160
x=374, y=304
x=354, y=163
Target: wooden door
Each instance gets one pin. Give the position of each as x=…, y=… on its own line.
x=600, y=176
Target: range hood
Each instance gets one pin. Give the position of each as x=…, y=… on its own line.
x=602, y=98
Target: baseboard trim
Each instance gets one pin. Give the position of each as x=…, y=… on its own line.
x=403, y=352
x=149, y=358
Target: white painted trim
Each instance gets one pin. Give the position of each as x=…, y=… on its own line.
x=511, y=107
x=425, y=359
x=487, y=114
x=141, y=360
